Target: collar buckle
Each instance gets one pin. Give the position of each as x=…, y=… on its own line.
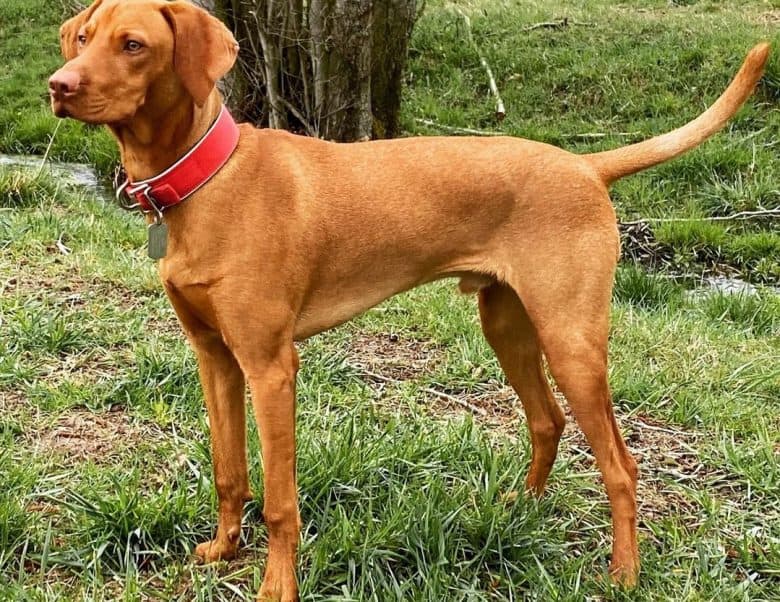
x=123, y=198
x=127, y=193
x=145, y=189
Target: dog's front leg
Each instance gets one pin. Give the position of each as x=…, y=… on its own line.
x=272, y=385
x=223, y=388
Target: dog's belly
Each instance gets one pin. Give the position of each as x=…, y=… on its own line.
x=331, y=308
x=328, y=311
x=349, y=280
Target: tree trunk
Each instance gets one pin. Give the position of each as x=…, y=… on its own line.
x=393, y=23
x=341, y=56
x=329, y=68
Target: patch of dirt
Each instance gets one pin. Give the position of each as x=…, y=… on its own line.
x=79, y=435
x=12, y=403
x=669, y=463
x=393, y=356
x=492, y=403
x=17, y=412
x=389, y=359
x=770, y=17
x=666, y=455
x=70, y=290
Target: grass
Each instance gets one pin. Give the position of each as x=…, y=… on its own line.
x=634, y=285
x=24, y=189
x=756, y=313
x=104, y=454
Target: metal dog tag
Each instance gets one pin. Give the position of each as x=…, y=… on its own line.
x=158, y=240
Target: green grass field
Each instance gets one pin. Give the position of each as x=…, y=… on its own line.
x=406, y=493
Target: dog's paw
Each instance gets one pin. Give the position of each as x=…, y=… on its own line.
x=211, y=551
x=624, y=575
x=279, y=582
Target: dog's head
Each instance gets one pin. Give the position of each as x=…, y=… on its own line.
x=126, y=54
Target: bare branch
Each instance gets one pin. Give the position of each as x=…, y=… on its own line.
x=559, y=24
x=500, y=110
x=600, y=135
x=457, y=130
x=740, y=215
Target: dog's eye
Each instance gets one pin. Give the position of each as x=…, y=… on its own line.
x=82, y=39
x=133, y=46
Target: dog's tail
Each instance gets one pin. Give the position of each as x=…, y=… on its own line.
x=615, y=164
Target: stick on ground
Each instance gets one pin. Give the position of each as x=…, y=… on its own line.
x=500, y=109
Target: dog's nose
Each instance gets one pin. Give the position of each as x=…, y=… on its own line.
x=63, y=83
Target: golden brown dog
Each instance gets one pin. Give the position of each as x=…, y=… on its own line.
x=295, y=235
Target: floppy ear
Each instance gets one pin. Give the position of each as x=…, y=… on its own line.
x=203, y=48
x=69, y=32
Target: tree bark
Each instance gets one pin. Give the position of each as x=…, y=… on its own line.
x=330, y=68
x=341, y=55
x=393, y=24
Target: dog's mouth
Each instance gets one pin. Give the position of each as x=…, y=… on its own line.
x=59, y=108
x=64, y=106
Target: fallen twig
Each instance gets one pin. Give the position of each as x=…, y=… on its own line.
x=430, y=391
x=740, y=215
x=559, y=24
x=457, y=130
x=599, y=135
x=500, y=109
x=61, y=246
x=661, y=429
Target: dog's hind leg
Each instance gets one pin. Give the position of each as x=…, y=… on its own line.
x=578, y=361
x=569, y=306
x=513, y=338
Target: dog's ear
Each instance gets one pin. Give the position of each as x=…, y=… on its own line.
x=203, y=48
x=69, y=32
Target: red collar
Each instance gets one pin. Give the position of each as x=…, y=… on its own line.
x=188, y=174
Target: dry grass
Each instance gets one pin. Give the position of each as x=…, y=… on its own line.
x=79, y=435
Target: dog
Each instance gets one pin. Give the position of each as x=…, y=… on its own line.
x=283, y=236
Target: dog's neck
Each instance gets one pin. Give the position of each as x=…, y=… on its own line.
x=150, y=143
